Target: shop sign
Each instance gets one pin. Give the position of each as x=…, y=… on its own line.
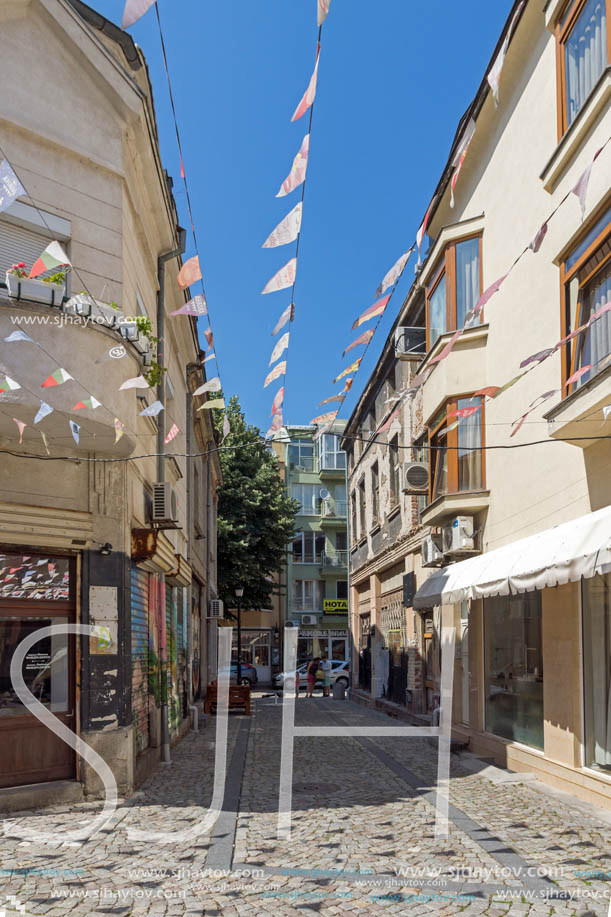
x=335, y=606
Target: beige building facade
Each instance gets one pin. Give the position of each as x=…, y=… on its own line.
x=111, y=530
x=530, y=604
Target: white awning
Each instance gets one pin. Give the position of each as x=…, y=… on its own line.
x=581, y=547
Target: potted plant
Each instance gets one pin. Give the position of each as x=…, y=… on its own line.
x=49, y=290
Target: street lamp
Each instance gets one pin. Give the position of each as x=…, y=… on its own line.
x=239, y=593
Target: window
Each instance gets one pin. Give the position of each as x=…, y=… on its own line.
x=456, y=458
x=362, y=504
x=395, y=482
x=375, y=492
x=355, y=534
x=18, y=243
x=308, y=594
x=513, y=667
x=391, y=385
x=308, y=498
x=586, y=279
x=331, y=455
x=308, y=547
x=421, y=454
x=596, y=593
x=341, y=541
x=301, y=457
x=454, y=289
x=582, y=55
x=342, y=589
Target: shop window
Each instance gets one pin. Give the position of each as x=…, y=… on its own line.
x=456, y=458
x=582, y=55
x=513, y=668
x=586, y=280
x=596, y=592
x=454, y=289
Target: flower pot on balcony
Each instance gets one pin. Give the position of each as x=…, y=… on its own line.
x=51, y=294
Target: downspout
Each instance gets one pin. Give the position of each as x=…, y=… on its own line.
x=161, y=260
x=191, y=368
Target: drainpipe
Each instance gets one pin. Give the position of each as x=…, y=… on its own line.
x=161, y=261
x=191, y=368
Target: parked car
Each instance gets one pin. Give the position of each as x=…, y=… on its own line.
x=340, y=672
x=249, y=674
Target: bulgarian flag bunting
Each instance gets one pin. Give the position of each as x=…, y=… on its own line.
x=53, y=256
x=7, y=384
x=349, y=369
x=92, y=403
x=57, y=378
x=377, y=309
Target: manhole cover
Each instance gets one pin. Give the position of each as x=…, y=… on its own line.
x=315, y=787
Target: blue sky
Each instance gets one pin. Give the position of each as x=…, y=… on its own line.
x=395, y=77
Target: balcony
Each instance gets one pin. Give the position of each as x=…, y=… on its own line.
x=304, y=604
x=580, y=414
x=333, y=465
x=303, y=466
x=336, y=560
x=310, y=509
x=334, y=513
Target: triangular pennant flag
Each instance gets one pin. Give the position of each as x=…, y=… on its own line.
x=209, y=338
x=53, y=256
x=213, y=385
x=92, y=403
x=172, y=434
x=195, y=306
x=323, y=11
x=8, y=384
x=152, y=410
x=422, y=230
x=325, y=418
x=447, y=349
x=43, y=411
x=45, y=444
x=488, y=392
x=486, y=295
x=18, y=336
x=133, y=10
x=536, y=241
x=280, y=347
x=276, y=424
x=607, y=411
x=21, y=427
x=494, y=75
x=137, y=382
x=394, y=273
x=298, y=170
x=189, y=273
x=57, y=378
x=215, y=403
x=283, y=278
x=537, y=357
x=517, y=424
x=377, y=309
x=350, y=369
x=339, y=398
x=277, y=371
x=463, y=413
x=119, y=430
x=287, y=315
x=364, y=339
x=75, y=430
x=511, y=382
x=459, y=156
x=390, y=421
x=310, y=93
x=226, y=427
x=581, y=188
x=577, y=375
x=448, y=429
x=10, y=186
x=287, y=230
x=277, y=401
x=211, y=357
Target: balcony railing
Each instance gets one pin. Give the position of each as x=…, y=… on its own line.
x=337, y=508
x=310, y=509
x=337, y=559
x=308, y=605
x=302, y=464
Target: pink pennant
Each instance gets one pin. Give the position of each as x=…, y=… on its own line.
x=209, y=338
x=581, y=188
x=577, y=375
x=447, y=349
x=488, y=392
x=189, y=273
x=277, y=371
x=394, y=273
x=195, y=306
x=377, y=309
x=275, y=425
x=484, y=298
x=298, y=170
x=464, y=412
x=310, y=93
x=277, y=401
x=323, y=11
x=172, y=434
x=283, y=278
x=287, y=316
x=537, y=240
x=339, y=398
x=134, y=10
x=325, y=418
x=519, y=423
x=459, y=156
x=537, y=357
x=364, y=339
x=21, y=427
x=386, y=426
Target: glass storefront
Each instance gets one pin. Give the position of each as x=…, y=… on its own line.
x=310, y=647
x=596, y=601
x=513, y=668
x=45, y=667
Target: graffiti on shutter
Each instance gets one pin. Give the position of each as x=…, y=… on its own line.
x=140, y=656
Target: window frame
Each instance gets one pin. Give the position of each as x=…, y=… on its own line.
x=564, y=26
x=302, y=443
x=451, y=440
x=375, y=492
x=568, y=361
x=362, y=506
x=311, y=510
x=394, y=471
x=446, y=266
x=312, y=535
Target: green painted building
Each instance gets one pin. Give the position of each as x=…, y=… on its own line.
x=317, y=592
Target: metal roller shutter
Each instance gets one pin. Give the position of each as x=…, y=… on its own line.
x=140, y=656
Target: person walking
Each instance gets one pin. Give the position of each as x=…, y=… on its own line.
x=326, y=667
x=311, y=673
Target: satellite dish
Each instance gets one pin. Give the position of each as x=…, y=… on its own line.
x=324, y=493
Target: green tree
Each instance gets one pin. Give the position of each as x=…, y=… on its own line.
x=255, y=516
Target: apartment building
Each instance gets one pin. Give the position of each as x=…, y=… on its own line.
x=100, y=524
x=507, y=436
x=316, y=598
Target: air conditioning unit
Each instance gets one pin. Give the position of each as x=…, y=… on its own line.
x=215, y=608
x=165, y=508
x=432, y=555
x=415, y=478
x=410, y=343
x=308, y=620
x=458, y=537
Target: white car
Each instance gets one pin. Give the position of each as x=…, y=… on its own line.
x=340, y=672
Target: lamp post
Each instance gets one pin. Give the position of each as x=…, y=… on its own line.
x=239, y=593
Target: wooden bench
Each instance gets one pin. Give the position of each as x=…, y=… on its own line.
x=239, y=696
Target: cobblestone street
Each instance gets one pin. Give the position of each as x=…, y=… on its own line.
x=361, y=807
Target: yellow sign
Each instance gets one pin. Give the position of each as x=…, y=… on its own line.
x=335, y=606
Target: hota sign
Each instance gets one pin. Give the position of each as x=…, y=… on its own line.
x=335, y=606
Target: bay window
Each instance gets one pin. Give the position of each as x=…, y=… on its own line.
x=454, y=289
x=582, y=55
x=331, y=456
x=586, y=279
x=456, y=458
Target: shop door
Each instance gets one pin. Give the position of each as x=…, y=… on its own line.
x=36, y=592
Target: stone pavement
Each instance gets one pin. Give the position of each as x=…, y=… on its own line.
x=363, y=837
